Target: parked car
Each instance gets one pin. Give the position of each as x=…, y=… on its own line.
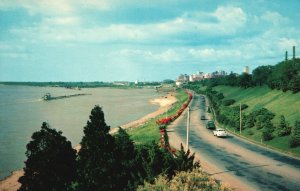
x=220, y=133
x=210, y=125
x=203, y=117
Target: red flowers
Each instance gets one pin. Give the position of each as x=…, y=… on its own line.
x=168, y=120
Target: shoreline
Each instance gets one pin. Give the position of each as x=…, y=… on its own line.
x=10, y=183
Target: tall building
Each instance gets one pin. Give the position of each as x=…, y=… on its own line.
x=197, y=77
x=246, y=70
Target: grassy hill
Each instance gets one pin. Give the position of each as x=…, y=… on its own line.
x=278, y=102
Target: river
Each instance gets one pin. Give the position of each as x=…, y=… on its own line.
x=22, y=112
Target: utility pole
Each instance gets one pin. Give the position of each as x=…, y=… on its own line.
x=166, y=113
x=240, y=118
x=187, y=128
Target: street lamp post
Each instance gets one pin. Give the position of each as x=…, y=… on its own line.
x=187, y=128
x=240, y=118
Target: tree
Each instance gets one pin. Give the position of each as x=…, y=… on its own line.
x=261, y=75
x=96, y=160
x=267, y=131
x=232, y=79
x=51, y=162
x=125, y=154
x=294, y=84
x=283, y=129
x=185, y=162
x=295, y=137
x=150, y=161
x=245, y=80
x=249, y=121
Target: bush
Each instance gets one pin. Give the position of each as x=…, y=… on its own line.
x=250, y=132
x=192, y=181
x=267, y=135
x=228, y=102
x=294, y=142
x=295, y=138
x=244, y=106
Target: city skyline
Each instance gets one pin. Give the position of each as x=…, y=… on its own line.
x=111, y=41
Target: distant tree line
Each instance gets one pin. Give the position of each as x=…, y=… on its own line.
x=72, y=85
x=283, y=76
x=104, y=162
x=260, y=119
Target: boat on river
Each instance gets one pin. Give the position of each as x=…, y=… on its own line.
x=47, y=97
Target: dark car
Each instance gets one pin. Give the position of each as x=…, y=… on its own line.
x=210, y=125
x=203, y=117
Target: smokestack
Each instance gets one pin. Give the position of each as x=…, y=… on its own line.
x=294, y=52
x=286, y=55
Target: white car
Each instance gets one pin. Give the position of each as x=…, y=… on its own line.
x=220, y=133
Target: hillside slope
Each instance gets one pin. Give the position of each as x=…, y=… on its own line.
x=280, y=103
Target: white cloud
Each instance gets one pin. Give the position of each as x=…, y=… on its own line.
x=61, y=21
x=54, y=7
x=163, y=56
x=230, y=18
x=274, y=17
x=69, y=27
x=215, y=54
x=223, y=21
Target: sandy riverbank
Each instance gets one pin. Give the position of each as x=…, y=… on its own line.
x=165, y=102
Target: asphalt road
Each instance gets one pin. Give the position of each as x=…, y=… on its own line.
x=243, y=165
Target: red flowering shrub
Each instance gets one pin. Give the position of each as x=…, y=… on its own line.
x=168, y=120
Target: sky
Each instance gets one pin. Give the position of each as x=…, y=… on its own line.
x=145, y=40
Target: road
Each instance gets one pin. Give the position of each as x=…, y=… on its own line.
x=232, y=160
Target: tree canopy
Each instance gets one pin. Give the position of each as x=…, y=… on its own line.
x=51, y=162
x=96, y=157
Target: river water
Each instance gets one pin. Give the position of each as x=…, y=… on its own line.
x=22, y=112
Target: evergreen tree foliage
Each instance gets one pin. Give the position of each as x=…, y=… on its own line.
x=295, y=137
x=166, y=139
x=149, y=161
x=283, y=129
x=184, y=161
x=51, y=162
x=267, y=131
x=96, y=160
x=125, y=155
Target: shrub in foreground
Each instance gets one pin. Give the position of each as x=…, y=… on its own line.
x=193, y=180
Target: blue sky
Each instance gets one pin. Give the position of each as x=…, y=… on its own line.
x=108, y=40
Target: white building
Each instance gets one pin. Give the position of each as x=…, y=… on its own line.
x=183, y=78
x=196, y=77
x=246, y=70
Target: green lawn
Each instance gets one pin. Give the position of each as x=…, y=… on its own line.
x=149, y=131
x=278, y=102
